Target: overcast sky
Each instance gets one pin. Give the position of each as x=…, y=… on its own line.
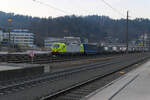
x=137, y=8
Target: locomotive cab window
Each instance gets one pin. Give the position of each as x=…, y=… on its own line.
x=56, y=46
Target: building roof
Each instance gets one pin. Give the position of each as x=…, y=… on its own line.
x=20, y=31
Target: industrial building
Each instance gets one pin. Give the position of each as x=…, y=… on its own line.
x=1, y=35
x=48, y=41
x=144, y=40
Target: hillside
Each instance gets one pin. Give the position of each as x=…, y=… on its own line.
x=93, y=27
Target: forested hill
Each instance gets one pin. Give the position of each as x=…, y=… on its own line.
x=93, y=27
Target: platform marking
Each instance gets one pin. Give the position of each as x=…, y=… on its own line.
x=104, y=87
x=123, y=87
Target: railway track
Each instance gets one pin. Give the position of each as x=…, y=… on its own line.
x=80, y=91
x=45, y=77
x=87, y=89
x=46, y=58
x=58, y=82
x=54, y=69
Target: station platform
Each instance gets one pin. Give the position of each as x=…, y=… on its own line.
x=12, y=71
x=7, y=67
x=134, y=85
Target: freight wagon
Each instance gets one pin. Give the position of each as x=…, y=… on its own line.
x=93, y=48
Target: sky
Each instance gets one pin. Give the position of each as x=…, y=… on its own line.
x=137, y=8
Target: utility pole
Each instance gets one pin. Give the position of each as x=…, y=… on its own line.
x=143, y=42
x=127, y=32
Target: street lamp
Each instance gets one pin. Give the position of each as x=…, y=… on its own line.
x=10, y=21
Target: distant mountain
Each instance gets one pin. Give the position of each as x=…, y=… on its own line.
x=93, y=27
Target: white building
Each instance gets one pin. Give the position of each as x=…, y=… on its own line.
x=48, y=41
x=76, y=40
x=20, y=36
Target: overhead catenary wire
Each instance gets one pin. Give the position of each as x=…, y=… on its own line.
x=66, y=12
x=48, y=5
x=114, y=9
x=58, y=9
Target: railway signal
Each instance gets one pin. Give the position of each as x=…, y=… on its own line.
x=32, y=54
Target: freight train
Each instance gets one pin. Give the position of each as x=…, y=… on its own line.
x=93, y=48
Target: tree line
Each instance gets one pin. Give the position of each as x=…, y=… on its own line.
x=94, y=27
